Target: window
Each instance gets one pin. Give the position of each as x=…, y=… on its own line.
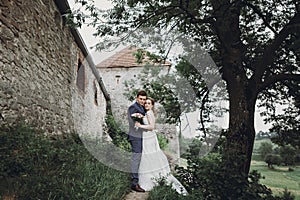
x=118, y=78
x=95, y=93
x=80, y=81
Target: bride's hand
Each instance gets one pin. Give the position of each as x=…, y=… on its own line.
x=137, y=124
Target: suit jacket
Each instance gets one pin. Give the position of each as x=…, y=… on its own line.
x=133, y=132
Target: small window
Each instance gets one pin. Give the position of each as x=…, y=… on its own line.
x=95, y=93
x=118, y=78
x=80, y=81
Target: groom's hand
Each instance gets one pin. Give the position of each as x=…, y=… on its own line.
x=137, y=124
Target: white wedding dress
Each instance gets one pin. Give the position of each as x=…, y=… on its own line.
x=154, y=164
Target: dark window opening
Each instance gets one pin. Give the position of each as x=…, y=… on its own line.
x=118, y=78
x=80, y=81
x=95, y=94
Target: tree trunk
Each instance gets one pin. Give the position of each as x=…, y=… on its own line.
x=241, y=133
x=242, y=92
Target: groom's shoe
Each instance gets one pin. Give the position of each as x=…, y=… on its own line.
x=137, y=188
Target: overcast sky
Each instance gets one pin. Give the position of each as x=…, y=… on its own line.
x=87, y=33
x=90, y=40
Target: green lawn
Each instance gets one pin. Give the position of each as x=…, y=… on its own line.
x=279, y=178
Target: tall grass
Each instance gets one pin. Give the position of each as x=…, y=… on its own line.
x=33, y=166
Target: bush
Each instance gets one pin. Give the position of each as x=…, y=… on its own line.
x=163, y=141
x=214, y=178
x=33, y=166
x=286, y=195
x=119, y=138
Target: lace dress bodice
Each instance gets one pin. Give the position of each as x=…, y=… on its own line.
x=145, y=120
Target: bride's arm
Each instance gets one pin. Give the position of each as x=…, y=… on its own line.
x=151, y=121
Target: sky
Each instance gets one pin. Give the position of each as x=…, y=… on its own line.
x=87, y=33
x=90, y=40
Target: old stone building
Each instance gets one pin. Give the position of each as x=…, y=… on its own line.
x=116, y=70
x=47, y=78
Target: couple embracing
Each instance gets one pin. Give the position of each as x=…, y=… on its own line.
x=148, y=162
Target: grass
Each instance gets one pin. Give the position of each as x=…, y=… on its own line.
x=278, y=178
x=33, y=166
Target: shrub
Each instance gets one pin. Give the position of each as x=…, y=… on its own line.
x=163, y=141
x=119, y=138
x=214, y=178
x=286, y=195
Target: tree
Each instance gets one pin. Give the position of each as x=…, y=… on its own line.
x=255, y=45
x=272, y=159
x=287, y=154
x=265, y=148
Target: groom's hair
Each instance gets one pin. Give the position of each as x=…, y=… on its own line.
x=141, y=93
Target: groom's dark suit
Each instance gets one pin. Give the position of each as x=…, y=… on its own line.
x=135, y=139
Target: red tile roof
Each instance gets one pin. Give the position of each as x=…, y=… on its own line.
x=124, y=58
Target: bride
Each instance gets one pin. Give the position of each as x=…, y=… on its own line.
x=154, y=164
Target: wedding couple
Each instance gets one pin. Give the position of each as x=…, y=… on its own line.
x=148, y=162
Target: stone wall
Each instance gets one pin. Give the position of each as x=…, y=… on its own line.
x=39, y=61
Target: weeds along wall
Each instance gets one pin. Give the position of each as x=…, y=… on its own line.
x=46, y=79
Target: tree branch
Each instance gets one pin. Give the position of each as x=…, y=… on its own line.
x=259, y=13
x=277, y=78
x=201, y=112
x=268, y=56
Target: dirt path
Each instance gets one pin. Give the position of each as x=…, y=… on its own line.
x=136, y=196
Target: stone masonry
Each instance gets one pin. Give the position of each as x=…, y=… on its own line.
x=46, y=79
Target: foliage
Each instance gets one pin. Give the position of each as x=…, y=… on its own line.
x=166, y=192
x=210, y=178
x=287, y=125
x=163, y=141
x=283, y=154
x=287, y=195
x=165, y=90
x=288, y=154
x=272, y=159
x=119, y=138
x=265, y=148
x=216, y=181
x=287, y=128
x=34, y=166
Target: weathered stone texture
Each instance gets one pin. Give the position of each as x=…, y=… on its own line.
x=38, y=69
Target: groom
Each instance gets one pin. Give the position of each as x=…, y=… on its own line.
x=135, y=138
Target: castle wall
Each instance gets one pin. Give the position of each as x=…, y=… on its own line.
x=41, y=83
